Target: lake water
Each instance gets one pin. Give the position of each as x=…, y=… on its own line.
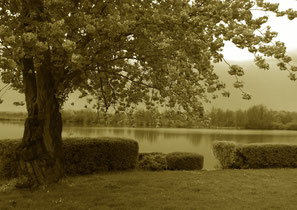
x=168, y=139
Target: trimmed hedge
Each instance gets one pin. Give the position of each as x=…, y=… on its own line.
x=224, y=151
x=89, y=155
x=154, y=161
x=184, y=161
x=256, y=155
x=81, y=155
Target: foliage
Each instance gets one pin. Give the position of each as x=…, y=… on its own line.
x=154, y=161
x=81, y=155
x=86, y=116
x=137, y=118
x=13, y=115
x=8, y=160
x=258, y=117
x=184, y=161
x=256, y=155
x=291, y=126
x=267, y=156
x=89, y=155
x=224, y=151
x=255, y=117
x=124, y=53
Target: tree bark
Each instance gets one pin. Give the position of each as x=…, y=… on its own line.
x=40, y=153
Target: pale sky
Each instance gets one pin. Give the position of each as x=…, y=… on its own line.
x=287, y=32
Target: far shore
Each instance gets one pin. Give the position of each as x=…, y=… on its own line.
x=12, y=119
x=72, y=123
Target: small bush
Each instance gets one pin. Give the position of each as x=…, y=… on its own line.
x=256, y=155
x=152, y=161
x=184, y=161
x=81, y=155
x=224, y=151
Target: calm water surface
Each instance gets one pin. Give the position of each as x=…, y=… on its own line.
x=168, y=139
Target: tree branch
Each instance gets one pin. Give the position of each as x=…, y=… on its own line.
x=112, y=89
x=133, y=81
x=103, y=95
x=4, y=87
x=121, y=58
x=5, y=91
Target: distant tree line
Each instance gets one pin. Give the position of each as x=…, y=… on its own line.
x=255, y=117
x=138, y=118
x=16, y=116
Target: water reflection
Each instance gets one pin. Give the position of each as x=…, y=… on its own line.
x=168, y=140
x=151, y=136
x=11, y=130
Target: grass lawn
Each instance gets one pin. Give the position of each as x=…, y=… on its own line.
x=222, y=189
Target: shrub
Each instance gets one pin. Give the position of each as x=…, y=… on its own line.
x=8, y=161
x=256, y=155
x=152, y=161
x=224, y=151
x=184, y=161
x=89, y=155
x=267, y=156
x=81, y=155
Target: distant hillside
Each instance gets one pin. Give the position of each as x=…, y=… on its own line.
x=272, y=88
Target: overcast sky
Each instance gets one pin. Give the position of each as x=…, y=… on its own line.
x=287, y=32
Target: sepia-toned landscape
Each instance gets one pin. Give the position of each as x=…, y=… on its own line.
x=178, y=104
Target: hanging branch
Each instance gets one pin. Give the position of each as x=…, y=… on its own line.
x=4, y=87
x=7, y=89
x=245, y=94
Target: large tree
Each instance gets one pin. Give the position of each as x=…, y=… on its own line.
x=123, y=53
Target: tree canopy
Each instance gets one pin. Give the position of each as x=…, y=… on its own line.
x=129, y=52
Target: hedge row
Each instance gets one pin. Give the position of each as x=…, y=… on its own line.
x=82, y=155
x=184, y=161
x=256, y=155
x=90, y=155
x=171, y=161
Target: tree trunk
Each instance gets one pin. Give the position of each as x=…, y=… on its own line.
x=40, y=153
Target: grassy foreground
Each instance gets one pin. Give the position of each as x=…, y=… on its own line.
x=222, y=189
